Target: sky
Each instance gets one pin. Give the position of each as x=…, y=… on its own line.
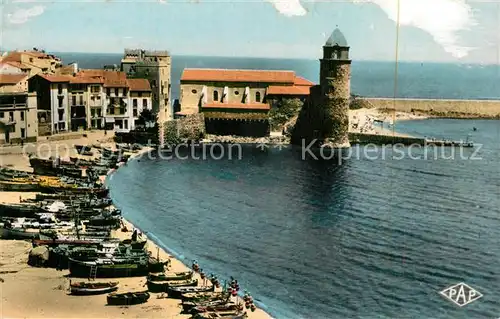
x=430, y=30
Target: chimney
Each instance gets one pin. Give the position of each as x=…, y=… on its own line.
x=75, y=68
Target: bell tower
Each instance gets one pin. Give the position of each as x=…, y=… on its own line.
x=335, y=82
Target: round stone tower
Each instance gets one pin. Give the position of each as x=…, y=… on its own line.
x=335, y=83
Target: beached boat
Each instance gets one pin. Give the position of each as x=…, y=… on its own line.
x=217, y=307
x=13, y=232
x=204, y=296
x=109, y=267
x=176, y=292
x=128, y=298
x=221, y=315
x=92, y=288
x=165, y=286
x=170, y=276
x=187, y=306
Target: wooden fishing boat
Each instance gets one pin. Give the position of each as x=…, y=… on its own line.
x=220, y=307
x=204, y=296
x=128, y=298
x=92, y=288
x=171, y=276
x=221, y=315
x=187, y=306
x=165, y=286
x=176, y=292
x=109, y=268
x=18, y=233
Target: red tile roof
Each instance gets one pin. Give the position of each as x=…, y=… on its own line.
x=55, y=78
x=247, y=106
x=288, y=90
x=115, y=79
x=16, y=64
x=87, y=79
x=228, y=75
x=12, y=78
x=139, y=85
x=301, y=81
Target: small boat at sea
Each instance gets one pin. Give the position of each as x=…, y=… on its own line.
x=128, y=298
x=92, y=288
x=171, y=276
x=165, y=286
x=176, y=292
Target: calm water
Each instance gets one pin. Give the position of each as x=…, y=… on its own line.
x=370, y=238
x=376, y=79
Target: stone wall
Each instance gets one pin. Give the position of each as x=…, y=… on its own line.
x=191, y=127
x=473, y=108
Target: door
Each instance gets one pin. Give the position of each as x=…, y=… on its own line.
x=7, y=137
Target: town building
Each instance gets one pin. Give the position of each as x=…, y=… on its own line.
x=10, y=83
x=89, y=99
x=18, y=117
x=30, y=62
x=324, y=118
x=156, y=67
x=237, y=101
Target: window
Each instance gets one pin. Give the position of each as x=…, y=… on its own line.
x=31, y=60
x=59, y=89
x=257, y=96
x=116, y=91
x=134, y=111
x=95, y=89
x=145, y=103
x=81, y=99
x=134, y=102
x=216, y=96
x=60, y=103
x=98, y=98
x=23, y=133
x=61, y=114
x=194, y=91
x=125, y=123
x=92, y=112
x=73, y=99
x=140, y=94
x=166, y=101
x=11, y=116
x=22, y=115
x=108, y=91
x=236, y=93
x=2, y=115
x=154, y=83
x=92, y=98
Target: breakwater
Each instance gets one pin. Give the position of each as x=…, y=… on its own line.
x=441, y=107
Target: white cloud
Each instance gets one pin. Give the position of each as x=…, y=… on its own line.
x=21, y=16
x=289, y=8
x=443, y=19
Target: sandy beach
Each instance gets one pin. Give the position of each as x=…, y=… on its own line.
x=29, y=292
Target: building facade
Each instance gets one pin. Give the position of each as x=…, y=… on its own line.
x=18, y=117
x=89, y=99
x=237, y=101
x=10, y=83
x=30, y=62
x=155, y=66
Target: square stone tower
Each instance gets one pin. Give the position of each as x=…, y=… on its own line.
x=156, y=67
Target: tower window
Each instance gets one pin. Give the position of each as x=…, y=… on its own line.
x=335, y=55
x=257, y=97
x=216, y=96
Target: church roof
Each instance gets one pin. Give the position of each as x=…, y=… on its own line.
x=336, y=38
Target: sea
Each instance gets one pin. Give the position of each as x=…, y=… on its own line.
x=376, y=233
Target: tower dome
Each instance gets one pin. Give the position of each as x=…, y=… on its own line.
x=336, y=39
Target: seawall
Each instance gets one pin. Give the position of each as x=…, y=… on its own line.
x=441, y=107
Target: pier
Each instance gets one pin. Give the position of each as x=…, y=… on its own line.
x=361, y=138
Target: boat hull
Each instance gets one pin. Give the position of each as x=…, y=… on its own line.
x=85, y=289
x=82, y=270
x=8, y=233
x=127, y=299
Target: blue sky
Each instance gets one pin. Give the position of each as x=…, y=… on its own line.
x=432, y=30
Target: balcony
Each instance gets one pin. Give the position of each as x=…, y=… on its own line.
x=13, y=106
x=60, y=93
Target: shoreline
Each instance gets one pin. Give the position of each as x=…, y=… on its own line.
x=47, y=293
x=171, y=254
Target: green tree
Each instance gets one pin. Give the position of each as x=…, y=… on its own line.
x=283, y=111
